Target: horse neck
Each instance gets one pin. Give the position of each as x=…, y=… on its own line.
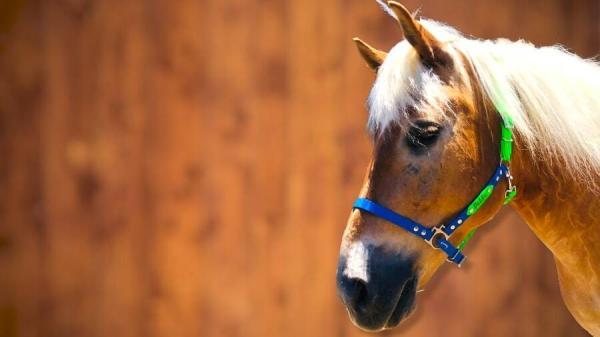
x=565, y=216
x=561, y=211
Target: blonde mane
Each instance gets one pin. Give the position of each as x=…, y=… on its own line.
x=552, y=95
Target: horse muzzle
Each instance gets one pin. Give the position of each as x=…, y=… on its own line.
x=378, y=290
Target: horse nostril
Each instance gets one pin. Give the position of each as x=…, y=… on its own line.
x=353, y=292
x=359, y=293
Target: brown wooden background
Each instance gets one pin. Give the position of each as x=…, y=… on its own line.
x=185, y=168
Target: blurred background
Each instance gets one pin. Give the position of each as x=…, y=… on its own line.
x=186, y=168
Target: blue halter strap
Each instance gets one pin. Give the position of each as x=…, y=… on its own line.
x=438, y=236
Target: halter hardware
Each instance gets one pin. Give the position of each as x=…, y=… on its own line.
x=438, y=237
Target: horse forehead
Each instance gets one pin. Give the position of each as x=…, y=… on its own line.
x=404, y=83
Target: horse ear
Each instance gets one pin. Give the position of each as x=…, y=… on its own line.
x=372, y=56
x=429, y=48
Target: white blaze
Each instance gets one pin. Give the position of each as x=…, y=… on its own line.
x=357, y=257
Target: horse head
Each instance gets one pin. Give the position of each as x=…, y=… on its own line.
x=435, y=141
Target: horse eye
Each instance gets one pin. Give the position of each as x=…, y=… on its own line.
x=423, y=134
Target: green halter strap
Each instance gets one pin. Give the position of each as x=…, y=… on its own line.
x=506, y=142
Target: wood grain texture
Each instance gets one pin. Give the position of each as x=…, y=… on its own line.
x=185, y=169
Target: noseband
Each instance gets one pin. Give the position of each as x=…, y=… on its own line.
x=438, y=236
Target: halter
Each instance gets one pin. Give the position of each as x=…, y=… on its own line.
x=438, y=236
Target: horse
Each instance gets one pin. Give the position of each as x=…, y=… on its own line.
x=457, y=125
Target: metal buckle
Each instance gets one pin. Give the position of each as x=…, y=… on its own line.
x=511, y=187
x=437, y=230
x=509, y=177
